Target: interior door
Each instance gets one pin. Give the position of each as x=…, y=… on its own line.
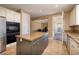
x=57, y=27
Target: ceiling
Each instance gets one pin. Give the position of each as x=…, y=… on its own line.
x=41, y=21
x=36, y=10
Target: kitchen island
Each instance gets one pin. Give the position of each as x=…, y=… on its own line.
x=32, y=44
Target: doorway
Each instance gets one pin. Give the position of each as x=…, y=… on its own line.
x=57, y=23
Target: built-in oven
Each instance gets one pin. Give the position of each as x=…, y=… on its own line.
x=12, y=30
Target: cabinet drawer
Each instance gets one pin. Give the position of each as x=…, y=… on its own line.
x=26, y=47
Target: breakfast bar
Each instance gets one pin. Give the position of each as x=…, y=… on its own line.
x=31, y=44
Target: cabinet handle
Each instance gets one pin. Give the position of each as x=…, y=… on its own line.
x=72, y=46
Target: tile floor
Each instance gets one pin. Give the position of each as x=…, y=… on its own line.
x=54, y=47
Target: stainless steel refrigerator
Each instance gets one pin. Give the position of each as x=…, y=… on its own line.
x=2, y=34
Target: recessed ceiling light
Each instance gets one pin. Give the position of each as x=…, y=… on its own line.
x=40, y=10
x=56, y=5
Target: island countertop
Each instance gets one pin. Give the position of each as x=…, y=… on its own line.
x=32, y=36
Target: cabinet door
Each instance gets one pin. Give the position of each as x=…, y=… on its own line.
x=65, y=38
x=26, y=48
x=40, y=45
x=73, y=16
x=73, y=51
x=74, y=47
x=44, y=41
x=2, y=11
x=10, y=15
x=36, y=47
x=77, y=14
x=16, y=17
x=68, y=44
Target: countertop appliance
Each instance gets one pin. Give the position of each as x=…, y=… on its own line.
x=2, y=34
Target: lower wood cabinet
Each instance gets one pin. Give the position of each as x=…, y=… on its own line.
x=74, y=47
x=39, y=45
x=68, y=44
x=26, y=48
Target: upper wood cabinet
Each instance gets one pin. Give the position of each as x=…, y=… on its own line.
x=16, y=17
x=74, y=16
x=9, y=15
x=77, y=14
x=2, y=11
x=12, y=16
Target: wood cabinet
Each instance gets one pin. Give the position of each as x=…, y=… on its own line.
x=35, y=47
x=9, y=15
x=40, y=45
x=17, y=17
x=74, y=47
x=3, y=11
x=77, y=14
x=68, y=44
x=12, y=16
x=74, y=15
x=65, y=38
x=25, y=48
